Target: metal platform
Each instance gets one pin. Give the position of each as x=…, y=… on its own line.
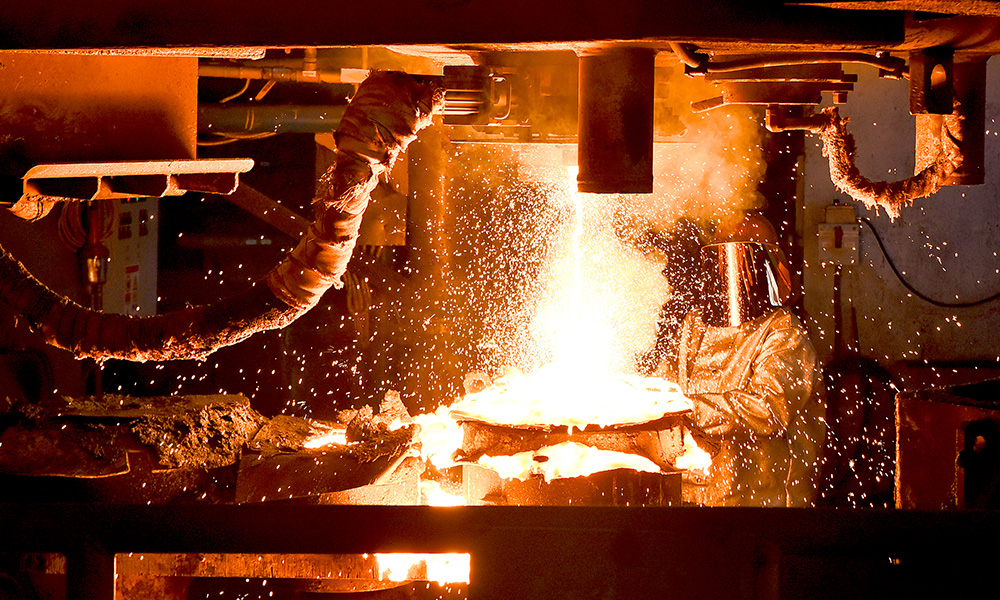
x=554, y=552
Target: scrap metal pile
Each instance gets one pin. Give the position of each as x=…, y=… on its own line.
x=196, y=448
x=621, y=439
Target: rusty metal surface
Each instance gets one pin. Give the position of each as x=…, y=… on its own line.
x=308, y=474
x=91, y=108
x=60, y=451
x=89, y=438
x=209, y=436
x=146, y=482
x=141, y=576
x=277, y=466
x=290, y=566
x=284, y=433
x=195, y=448
x=121, y=408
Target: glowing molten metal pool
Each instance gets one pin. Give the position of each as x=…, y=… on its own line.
x=554, y=424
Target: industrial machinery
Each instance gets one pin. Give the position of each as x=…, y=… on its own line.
x=175, y=151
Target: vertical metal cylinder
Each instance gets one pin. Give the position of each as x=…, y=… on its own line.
x=969, y=112
x=615, y=144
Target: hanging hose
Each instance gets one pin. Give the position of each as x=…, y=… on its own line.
x=381, y=120
x=839, y=148
x=72, y=232
x=233, y=96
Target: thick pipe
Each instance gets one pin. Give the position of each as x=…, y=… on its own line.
x=615, y=146
x=382, y=119
x=270, y=72
x=688, y=56
x=258, y=118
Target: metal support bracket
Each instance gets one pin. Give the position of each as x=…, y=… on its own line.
x=155, y=179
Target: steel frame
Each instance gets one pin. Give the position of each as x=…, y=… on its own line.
x=552, y=552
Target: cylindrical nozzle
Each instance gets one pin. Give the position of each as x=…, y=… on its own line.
x=616, y=121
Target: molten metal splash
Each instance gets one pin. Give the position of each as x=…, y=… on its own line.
x=578, y=388
x=557, y=394
x=440, y=436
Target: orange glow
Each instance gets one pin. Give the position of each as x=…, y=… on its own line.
x=558, y=394
x=568, y=459
x=442, y=568
x=326, y=437
x=586, y=327
x=432, y=494
x=440, y=436
x=693, y=458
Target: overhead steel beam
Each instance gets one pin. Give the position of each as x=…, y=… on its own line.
x=154, y=178
x=52, y=24
x=556, y=552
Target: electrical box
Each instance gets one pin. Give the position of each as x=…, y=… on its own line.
x=838, y=236
x=132, y=268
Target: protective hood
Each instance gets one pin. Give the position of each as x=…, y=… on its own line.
x=741, y=281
